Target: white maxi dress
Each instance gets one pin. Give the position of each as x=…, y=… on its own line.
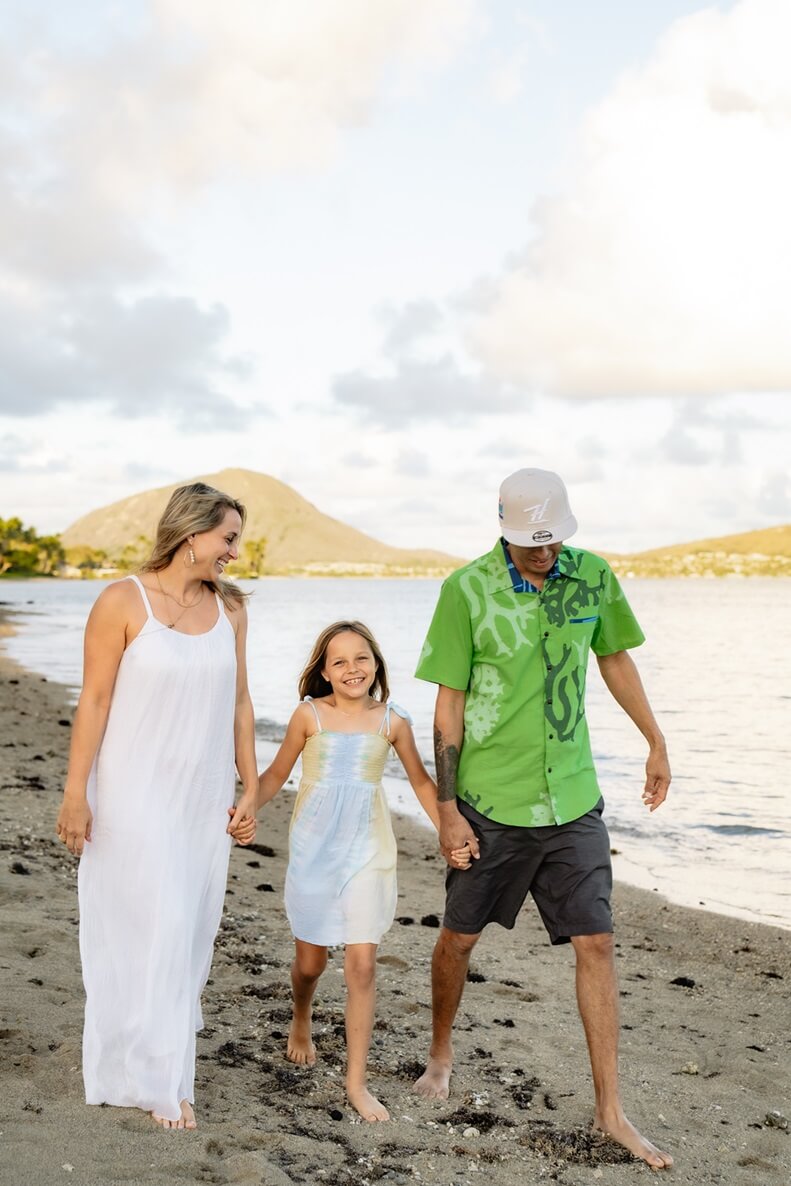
x=152, y=879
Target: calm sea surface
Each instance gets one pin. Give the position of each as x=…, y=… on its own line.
x=716, y=666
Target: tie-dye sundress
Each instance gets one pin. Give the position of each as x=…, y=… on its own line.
x=341, y=877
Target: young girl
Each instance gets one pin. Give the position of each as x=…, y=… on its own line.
x=341, y=877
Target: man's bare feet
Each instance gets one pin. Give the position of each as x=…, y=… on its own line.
x=625, y=1133
x=434, y=1083
x=185, y=1120
x=300, y=1048
x=369, y=1107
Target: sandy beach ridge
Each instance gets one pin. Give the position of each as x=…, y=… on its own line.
x=706, y=1048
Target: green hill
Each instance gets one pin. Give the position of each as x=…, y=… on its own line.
x=285, y=534
x=765, y=552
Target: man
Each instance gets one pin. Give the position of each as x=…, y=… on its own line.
x=508, y=647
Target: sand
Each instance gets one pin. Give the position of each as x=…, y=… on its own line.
x=705, y=1052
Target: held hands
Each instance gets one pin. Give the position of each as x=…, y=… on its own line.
x=460, y=858
x=74, y=824
x=657, y=777
x=457, y=841
x=242, y=822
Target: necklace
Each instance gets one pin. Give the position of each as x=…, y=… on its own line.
x=184, y=608
x=185, y=605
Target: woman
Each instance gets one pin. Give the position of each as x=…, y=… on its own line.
x=163, y=713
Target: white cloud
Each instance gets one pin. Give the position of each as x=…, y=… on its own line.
x=412, y=463
x=156, y=354
x=507, y=80
x=116, y=119
x=775, y=495
x=664, y=268
x=203, y=87
x=421, y=391
x=422, y=378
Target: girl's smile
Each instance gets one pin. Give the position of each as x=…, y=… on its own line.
x=349, y=666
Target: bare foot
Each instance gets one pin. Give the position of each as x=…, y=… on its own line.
x=434, y=1083
x=163, y=1121
x=300, y=1048
x=369, y=1107
x=188, y=1115
x=185, y=1120
x=625, y=1133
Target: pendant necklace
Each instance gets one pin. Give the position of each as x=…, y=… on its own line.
x=184, y=608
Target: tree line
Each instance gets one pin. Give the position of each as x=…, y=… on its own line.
x=25, y=553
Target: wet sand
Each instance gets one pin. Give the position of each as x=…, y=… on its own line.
x=706, y=1047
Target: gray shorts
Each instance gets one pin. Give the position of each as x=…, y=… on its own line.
x=566, y=867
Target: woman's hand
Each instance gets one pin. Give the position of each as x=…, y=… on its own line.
x=74, y=823
x=242, y=822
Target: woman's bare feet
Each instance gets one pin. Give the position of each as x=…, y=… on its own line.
x=300, y=1048
x=369, y=1107
x=185, y=1120
x=434, y=1083
x=188, y=1115
x=625, y=1133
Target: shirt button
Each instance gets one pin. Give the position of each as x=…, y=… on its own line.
x=549, y=666
x=546, y=634
x=549, y=769
x=551, y=736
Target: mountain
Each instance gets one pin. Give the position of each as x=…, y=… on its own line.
x=298, y=538
x=765, y=552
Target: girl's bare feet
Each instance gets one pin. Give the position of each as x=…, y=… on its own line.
x=300, y=1048
x=185, y=1120
x=369, y=1107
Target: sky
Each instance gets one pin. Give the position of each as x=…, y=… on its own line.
x=389, y=253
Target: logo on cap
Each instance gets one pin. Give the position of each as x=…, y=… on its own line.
x=538, y=512
x=542, y=537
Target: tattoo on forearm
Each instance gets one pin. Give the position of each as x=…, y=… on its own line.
x=446, y=758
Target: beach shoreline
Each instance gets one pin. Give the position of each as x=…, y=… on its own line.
x=704, y=1061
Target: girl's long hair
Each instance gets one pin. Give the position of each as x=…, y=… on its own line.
x=191, y=510
x=312, y=682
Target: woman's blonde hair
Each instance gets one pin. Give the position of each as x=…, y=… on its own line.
x=312, y=682
x=191, y=510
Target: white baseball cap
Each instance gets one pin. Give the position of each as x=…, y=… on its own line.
x=534, y=509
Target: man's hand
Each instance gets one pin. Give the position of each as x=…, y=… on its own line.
x=623, y=680
x=657, y=777
x=455, y=832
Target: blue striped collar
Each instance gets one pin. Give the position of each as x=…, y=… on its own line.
x=522, y=584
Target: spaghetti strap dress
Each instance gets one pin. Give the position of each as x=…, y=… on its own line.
x=152, y=879
x=341, y=877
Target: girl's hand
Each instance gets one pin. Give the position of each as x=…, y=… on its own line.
x=74, y=824
x=461, y=858
x=244, y=833
x=242, y=823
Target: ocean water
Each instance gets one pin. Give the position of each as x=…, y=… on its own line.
x=715, y=667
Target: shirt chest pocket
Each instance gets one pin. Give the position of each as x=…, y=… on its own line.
x=582, y=630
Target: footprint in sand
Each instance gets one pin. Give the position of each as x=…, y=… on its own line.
x=392, y=961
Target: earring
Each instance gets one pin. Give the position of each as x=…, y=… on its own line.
x=192, y=556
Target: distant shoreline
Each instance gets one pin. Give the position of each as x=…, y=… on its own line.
x=623, y=571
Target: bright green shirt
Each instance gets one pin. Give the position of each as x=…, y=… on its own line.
x=522, y=659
